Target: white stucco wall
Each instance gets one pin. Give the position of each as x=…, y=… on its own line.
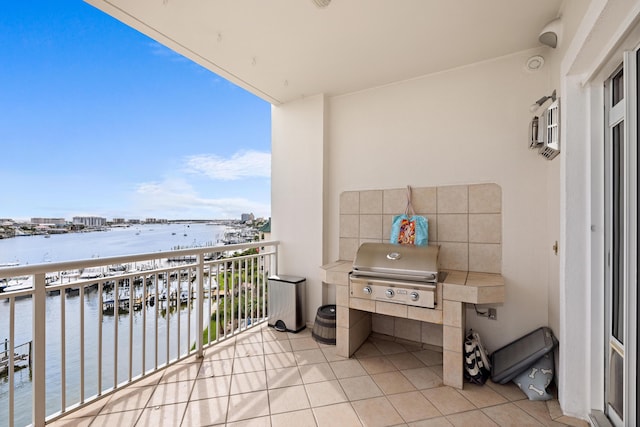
x=465, y=126
x=396, y=135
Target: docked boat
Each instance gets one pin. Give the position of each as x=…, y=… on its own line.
x=92, y=273
x=16, y=284
x=9, y=264
x=66, y=276
x=117, y=269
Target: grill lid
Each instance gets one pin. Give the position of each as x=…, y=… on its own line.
x=397, y=261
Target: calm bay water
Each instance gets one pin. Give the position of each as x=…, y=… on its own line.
x=75, y=246
x=116, y=241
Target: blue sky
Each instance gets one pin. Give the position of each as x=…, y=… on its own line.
x=98, y=119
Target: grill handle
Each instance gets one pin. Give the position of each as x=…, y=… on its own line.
x=426, y=278
x=393, y=256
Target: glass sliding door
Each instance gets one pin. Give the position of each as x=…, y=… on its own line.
x=614, y=217
x=621, y=259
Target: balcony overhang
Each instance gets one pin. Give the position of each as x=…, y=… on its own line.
x=285, y=50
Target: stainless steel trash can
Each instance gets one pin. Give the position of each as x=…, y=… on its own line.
x=287, y=297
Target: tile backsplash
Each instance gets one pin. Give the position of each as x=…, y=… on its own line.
x=465, y=220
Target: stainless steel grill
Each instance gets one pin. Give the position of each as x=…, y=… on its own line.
x=398, y=274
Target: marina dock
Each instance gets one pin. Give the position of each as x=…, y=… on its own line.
x=21, y=357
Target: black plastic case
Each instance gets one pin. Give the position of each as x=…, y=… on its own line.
x=514, y=358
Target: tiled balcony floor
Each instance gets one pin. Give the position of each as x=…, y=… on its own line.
x=268, y=378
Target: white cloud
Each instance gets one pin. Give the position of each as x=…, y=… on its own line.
x=243, y=164
x=175, y=198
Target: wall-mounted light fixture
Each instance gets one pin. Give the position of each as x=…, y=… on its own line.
x=536, y=105
x=544, y=129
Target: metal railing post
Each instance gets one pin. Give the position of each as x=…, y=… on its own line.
x=39, y=350
x=11, y=361
x=275, y=262
x=200, y=305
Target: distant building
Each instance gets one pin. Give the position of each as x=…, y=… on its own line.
x=134, y=221
x=246, y=217
x=48, y=221
x=118, y=221
x=90, y=221
x=155, y=221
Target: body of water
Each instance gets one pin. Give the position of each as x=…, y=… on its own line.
x=114, y=242
x=76, y=246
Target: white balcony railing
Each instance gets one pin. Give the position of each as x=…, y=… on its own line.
x=85, y=329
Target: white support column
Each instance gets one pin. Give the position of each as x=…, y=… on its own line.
x=299, y=182
x=577, y=308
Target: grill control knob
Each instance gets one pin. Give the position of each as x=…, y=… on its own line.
x=389, y=293
x=414, y=296
x=367, y=290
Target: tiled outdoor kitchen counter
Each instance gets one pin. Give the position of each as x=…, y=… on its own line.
x=353, y=317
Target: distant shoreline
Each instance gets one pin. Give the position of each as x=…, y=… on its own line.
x=23, y=229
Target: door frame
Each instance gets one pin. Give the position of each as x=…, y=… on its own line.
x=629, y=233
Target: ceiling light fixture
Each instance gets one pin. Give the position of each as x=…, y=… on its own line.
x=321, y=3
x=535, y=63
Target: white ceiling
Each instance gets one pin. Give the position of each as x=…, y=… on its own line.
x=282, y=50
